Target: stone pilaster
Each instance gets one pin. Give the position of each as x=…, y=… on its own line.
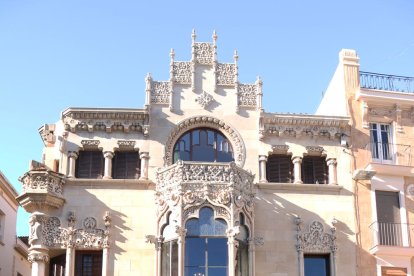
x=262, y=168
x=332, y=171
x=108, y=155
x=72, y=156
x=297, y=169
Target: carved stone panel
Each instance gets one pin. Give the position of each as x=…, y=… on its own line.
x=204, y=53
x=315, y=240
x=226, y=73
x=182, y=72
x=247, y=95
x=160, y=92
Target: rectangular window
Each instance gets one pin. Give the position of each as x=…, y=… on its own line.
x=314, y=170
x=317, y=265
x=90, y=164
x=279, y=168
x=393, y=271
x=126, y=165
x=381, y=147
x=389, y=218
x=88, y=263
x=169, y=259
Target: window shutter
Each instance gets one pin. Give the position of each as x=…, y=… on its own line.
x=126, y=165
x=314, y=170
x=89, y=164
x=279, y=169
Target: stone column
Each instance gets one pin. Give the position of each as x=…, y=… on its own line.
x=158, y=247
x=232, y=248
x=108, y=164
x=297, y=169
x=262, y=168
x=105, y=258
x=181, y=232
x=251, y=256
x=39, y=259
x=72, y=155
x=70, y=261
x=144, y=165
x=331, y=162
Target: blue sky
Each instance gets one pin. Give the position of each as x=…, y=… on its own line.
x=56, y=54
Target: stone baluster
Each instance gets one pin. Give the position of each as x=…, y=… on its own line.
x=144, y=165
x=181, y=232
x=108, y=155
x=262, y=168
x=72, y=156
x=297, y=169
x=331, y=162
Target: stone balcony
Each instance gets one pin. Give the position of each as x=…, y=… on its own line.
x=221, y=183
x=42, y=189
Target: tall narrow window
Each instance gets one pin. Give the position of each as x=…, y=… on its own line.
x=389, y=218
x=169, y=258
x=88, y=263
x=126, y=165
x=57, y=265
x=242, y=264
x=381, y=148
x=314, y=170
x=203, y=144
x=90, y=164
x=206, y=249
x=279, y=168
x=317, y=265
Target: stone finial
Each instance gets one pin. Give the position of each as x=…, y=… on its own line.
x=193, y=36
x=235, y=56
x=259, y=81
x=214, y=36
x=172, y=54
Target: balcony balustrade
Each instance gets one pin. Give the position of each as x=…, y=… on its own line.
x=392, y=238
x=386, y=82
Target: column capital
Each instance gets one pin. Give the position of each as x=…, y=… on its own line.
x=263, y=157
x=144, y=155
x=37, y=256
x=73, y=154
x=331, y=161
x=108, y=154
x=297, y=159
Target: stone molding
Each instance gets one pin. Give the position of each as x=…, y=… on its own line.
x=206, y=121
x=90, y=143
x=106, y=120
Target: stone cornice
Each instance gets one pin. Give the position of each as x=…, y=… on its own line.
x=106, y=119
x=297, y=125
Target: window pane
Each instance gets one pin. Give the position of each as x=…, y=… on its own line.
x=217, y=252
x=195, y=252
x=191, y=271
x=126, y=165
x=217, y=271
x=317, y=265
x=89, y=164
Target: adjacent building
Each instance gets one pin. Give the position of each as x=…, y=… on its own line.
x=13, y=249
x=203, y=181
x=381, y=114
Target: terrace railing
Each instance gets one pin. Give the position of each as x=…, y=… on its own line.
x=386, y=82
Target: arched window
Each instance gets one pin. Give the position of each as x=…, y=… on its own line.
x=203, y=144
x=206, y=249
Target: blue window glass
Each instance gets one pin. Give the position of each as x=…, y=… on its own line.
x=317, y=265
x=206, y=225
x=203, y=144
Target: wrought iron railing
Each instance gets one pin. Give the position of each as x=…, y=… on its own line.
x=391, y=234
x=386, y=82
x=386, y=153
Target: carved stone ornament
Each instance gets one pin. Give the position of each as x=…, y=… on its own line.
x=126, y=144
x=160, y=92
x=90, y=143
x=314, y=149
x=182, y=72
x=316, y=240
x=226, y=73
x=204, y=99
x=42, y=188
x=410, y=190
x=204, y=53
x=381, y=112
x=48, y=231
x=247, y=95
x=206, y=121
x=196, y=183
x=280, y=148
